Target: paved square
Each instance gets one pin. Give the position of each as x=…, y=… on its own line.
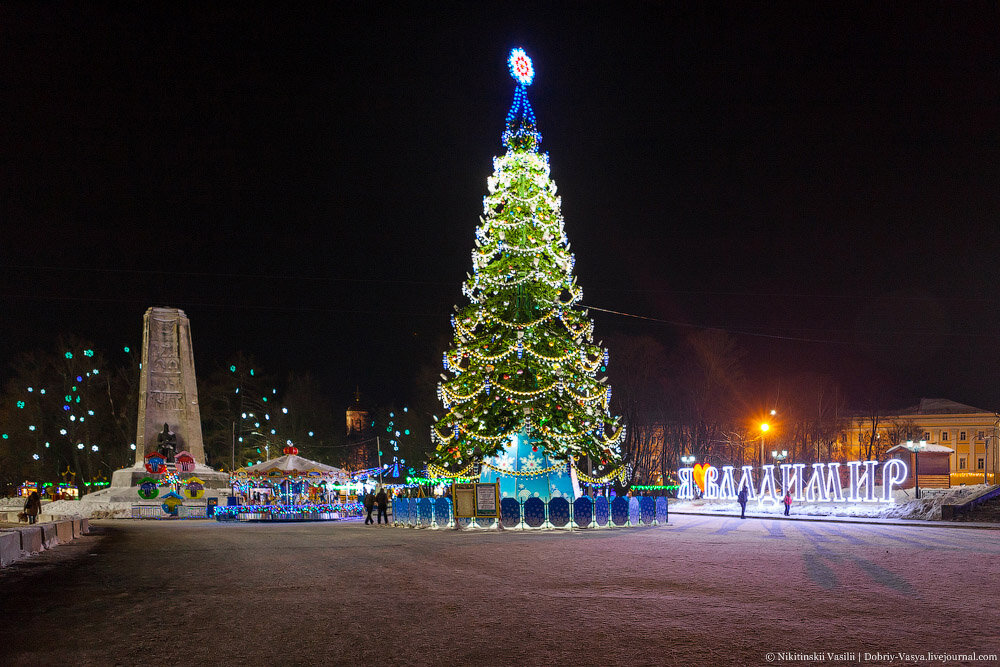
x=704, y=590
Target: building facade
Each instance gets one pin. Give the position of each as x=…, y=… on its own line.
x=971, y=432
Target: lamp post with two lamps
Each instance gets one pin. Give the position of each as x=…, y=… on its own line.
x=688, y=460
x=916, y=448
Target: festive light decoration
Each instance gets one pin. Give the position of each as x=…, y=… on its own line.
x=520, y=67
x=348, y=509
x=823, y=485
x=415, y=480
x=655, y=487
x=859, y=480
x=791, y=479
x=523, y=359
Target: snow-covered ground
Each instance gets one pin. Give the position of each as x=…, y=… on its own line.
x=703, y=590
x=905, y=505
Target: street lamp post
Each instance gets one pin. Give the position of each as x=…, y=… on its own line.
x=916, y=448
x=778, y=458
x=763, y=429
x=688, y=461
x=986, y=461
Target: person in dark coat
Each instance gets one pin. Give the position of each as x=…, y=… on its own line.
x=742, y=499
x=382, y=501
x=369, y=501
x=788, y=501
x=33, y=506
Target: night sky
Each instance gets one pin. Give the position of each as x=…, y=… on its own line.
x=820, y=180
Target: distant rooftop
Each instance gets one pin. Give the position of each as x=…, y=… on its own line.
x=940, y=406
x=928, y=448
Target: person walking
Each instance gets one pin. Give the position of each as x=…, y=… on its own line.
x=742, y=499
x=33, y=507
x=382, y=501
x=369, y=501
x=788, y=501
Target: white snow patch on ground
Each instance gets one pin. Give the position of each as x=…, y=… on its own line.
x=905, y=505
x=91, y=510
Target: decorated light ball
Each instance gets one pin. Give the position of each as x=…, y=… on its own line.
x=520, y=67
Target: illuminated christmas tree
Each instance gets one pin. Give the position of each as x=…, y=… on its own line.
x=524, y=393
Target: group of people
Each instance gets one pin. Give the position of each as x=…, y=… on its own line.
x=743, y=496
x=380, y=500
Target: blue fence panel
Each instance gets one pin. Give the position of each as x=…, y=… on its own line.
x=400, y=510
x=662, y=513
x=510, y=512
x=442, y=512
x=633, y=511
x=647, y=510
x=559, y=512
x=426, y=511
x=413, y=517
x=619, y=511
x=583, y=511
x=534, y=512
x=601, y=510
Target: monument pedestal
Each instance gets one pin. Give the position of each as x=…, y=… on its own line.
x=124, y=489
x=129, y=477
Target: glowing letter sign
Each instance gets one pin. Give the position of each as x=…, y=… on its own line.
x=823, y=485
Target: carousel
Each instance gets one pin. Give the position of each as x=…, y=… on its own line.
x=290, y=488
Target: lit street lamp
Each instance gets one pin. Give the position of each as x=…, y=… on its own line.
x=916, y=448
x=763, y=429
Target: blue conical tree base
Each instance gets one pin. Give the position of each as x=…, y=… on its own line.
x=518, y=456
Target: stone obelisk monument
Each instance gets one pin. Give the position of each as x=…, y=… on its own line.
x=168, y=392
x=168, y=396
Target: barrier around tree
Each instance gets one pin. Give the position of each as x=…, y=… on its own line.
x=534, y=513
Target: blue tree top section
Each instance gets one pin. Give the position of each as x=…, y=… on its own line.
x=521, y=132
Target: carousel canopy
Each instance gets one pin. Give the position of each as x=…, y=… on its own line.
x=292, y=466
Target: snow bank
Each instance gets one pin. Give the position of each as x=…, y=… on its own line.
x=88, y=510
x=906, y=505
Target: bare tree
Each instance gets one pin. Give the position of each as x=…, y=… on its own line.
x=814, y=414
x=706, y=397
x=638, y=372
